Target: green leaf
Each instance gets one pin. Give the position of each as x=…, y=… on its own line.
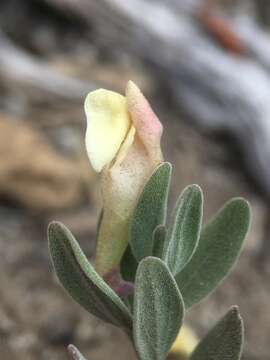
x=150, y=211
x=82, y=282
x=184, y=232
x=75, y=353
x=159, y=235
x=219, y=246
x=158, y=309
x=128, y=265
x=224, y=341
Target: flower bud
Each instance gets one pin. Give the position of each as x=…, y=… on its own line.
x=123, y=143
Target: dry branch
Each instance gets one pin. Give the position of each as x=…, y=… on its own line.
x=18, y=66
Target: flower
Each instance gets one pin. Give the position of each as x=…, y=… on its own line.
x=123, y=144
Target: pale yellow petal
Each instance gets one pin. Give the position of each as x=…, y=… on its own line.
x=108, y=123
x=185, y=342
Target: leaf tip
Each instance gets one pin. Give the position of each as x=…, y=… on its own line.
x=241, y=204
x=234, y=314
x=195, y=188
x=54, y=226
x=165, y=168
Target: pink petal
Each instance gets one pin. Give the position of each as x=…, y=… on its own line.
x=147, y=124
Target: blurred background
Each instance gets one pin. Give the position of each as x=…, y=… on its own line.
x=205, y=67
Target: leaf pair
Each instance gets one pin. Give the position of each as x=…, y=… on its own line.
x=148, y=235
x=82, y=282
x=198, y=258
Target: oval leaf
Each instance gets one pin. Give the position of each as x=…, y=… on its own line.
x=219, y=246
x=158, y=309
x=150, y=211
x=184, y=232
x=81, y=281
x=224, y=341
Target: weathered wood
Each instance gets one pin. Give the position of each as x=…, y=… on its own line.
x=18, y=66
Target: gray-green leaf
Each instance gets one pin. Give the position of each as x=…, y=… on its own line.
x=184, y=232
x=150, y=211
x=224, y=341
x=158, y=309
x=219, y=246
x=82, y=282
